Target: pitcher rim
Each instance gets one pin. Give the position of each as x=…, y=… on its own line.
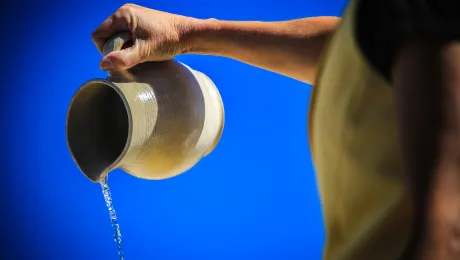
x=105, y=172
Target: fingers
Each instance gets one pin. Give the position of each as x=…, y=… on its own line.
x=121, y=20
x=122, y=60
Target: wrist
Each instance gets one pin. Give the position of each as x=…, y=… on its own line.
x=203, y=37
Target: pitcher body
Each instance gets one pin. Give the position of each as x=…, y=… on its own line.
x=155, y=121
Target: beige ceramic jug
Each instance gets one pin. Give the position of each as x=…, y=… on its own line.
x=154, y=121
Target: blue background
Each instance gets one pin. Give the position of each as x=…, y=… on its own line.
x=254, y=197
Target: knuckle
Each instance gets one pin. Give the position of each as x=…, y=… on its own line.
x=130, y=5
x=125, y=16
x=95, y=34
x=126, y=8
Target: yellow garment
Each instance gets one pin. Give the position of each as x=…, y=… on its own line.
x=356, y=153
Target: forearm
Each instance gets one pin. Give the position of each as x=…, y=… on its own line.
x=427, y=87
x=291, y=48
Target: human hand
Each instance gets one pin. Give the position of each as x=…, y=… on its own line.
x=156, y=35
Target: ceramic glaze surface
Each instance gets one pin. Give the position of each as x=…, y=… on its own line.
x=155, y=120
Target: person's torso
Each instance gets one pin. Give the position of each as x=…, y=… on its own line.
x=355, y=149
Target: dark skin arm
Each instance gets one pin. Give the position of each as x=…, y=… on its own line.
x=426, y=79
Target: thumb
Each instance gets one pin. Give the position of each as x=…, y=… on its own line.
x=121, y=60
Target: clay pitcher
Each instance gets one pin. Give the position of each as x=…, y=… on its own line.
x=154, y=121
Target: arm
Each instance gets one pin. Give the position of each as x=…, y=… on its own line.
x=291, y=48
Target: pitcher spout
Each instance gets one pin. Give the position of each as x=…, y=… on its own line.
x=98, y=126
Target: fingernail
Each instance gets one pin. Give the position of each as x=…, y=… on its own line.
x=106, y=65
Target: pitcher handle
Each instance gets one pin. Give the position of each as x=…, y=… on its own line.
x=116, y=42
